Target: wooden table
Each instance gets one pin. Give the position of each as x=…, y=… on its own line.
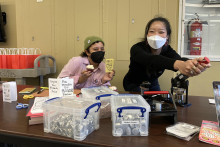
x=14, y=128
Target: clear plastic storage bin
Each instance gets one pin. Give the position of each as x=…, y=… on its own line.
x=130, y=115
x=71, y=117
x=216, y=88
x=103, y=94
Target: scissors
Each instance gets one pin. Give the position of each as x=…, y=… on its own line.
x=22, y=106
x=28, y=97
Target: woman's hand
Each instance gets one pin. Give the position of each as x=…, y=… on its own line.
x=84, y=76
x=202, y=66
x=108, y=76
x=191, y=67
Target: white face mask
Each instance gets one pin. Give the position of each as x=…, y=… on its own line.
x=156, y=41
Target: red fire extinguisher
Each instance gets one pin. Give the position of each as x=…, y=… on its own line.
x=195, y=38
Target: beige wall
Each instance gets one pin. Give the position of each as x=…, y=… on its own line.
x=58, y=28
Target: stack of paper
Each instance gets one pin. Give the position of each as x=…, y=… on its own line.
x=35, y=111
x=183, y=130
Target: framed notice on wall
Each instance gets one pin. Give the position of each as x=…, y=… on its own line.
x=199, y=26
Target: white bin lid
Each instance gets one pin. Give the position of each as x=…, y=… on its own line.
x=93, y=92
x=72, y=104
x=128, y=100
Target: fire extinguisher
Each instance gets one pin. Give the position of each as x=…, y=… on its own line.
x=194, y=36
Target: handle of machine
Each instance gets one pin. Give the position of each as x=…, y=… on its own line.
x=104, y=95
x=143, y=110
x=182, y=77
x=51, y=99
x=205, y=61
x=155, y=92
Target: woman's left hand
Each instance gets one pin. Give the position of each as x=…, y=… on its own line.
x=108, y=76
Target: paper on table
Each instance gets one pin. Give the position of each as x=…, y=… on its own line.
x=38, y=105
x=182, y=130
x=212, y=101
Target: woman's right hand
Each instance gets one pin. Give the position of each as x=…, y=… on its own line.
x=184, y=66
x=84, y=76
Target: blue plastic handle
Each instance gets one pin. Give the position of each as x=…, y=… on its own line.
x=52, y=99
x=104, y=95
x=90, y=107
x=119, y=110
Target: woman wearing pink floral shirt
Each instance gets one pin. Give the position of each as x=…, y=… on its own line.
x=92, y=55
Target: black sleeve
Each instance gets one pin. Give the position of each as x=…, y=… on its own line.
x=171, y=53
x=159, y=62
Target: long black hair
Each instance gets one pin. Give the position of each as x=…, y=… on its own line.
x=163, y=20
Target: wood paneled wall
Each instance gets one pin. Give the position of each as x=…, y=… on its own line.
x=59, y=27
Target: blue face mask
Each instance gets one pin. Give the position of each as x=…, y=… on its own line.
x=98, y=56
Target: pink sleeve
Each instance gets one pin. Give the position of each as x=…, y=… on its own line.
x=71, y=69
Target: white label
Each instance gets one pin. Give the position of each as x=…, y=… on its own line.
x=130, y=122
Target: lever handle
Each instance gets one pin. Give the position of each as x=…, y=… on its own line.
x=205, y=60
x=155, y=92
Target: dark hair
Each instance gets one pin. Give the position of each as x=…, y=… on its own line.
x=83, y=54
x=161, y=19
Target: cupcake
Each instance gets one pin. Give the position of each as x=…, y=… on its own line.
x=90, y=67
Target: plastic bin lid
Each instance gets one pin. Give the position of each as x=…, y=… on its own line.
x=93, y=92
x=128, y=100
x=67, y=102
x=72, y=105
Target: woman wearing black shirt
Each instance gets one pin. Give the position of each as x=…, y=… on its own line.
x=149, y=58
